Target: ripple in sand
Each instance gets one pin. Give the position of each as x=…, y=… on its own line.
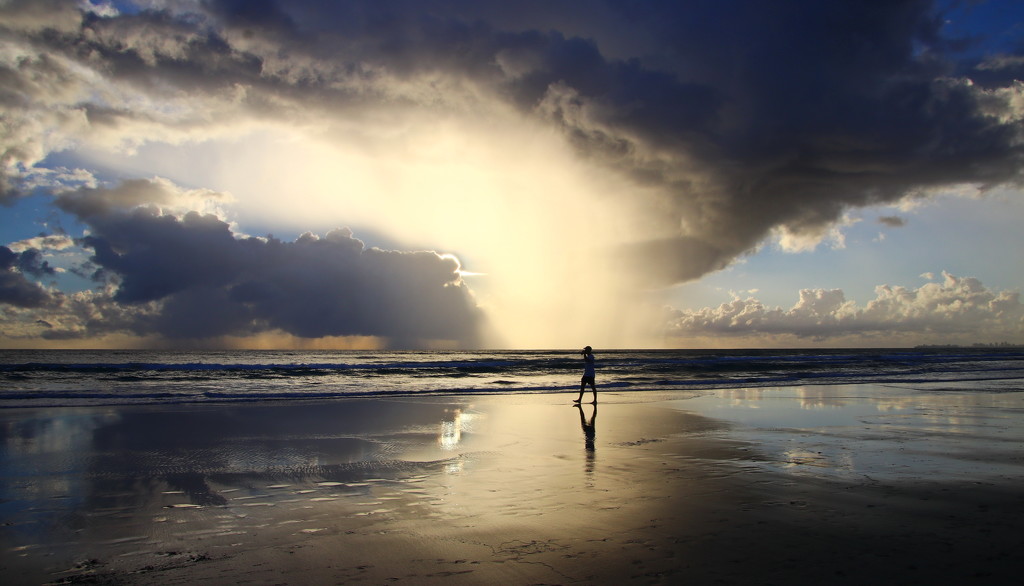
x=135, y=553
x=125, y=540
x=184, y=506
x=26, y=547
x=207, y=533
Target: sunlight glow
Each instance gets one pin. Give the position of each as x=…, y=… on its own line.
x=509, y=194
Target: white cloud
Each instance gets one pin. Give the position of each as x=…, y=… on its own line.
x=43, y=243
x=795, y=239
x=957, y=309
x=998, y=62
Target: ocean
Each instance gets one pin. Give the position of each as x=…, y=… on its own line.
x=57, y=378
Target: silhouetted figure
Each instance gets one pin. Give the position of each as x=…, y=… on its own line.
x=588, y=375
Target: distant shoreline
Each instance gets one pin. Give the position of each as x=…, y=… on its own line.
x=993, y=345
x=43, y=379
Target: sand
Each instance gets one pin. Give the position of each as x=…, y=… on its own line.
x=791, y=485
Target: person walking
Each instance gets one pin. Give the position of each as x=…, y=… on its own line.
x=588, y=375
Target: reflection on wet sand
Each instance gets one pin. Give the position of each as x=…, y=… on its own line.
x=455, y=422
x=871, y=429
x=490, y=491
x=109, y=482
x=589, y=427
x=74, y=479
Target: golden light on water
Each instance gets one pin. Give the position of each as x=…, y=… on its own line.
x=451, y=429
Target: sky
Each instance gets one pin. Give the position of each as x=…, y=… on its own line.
x=464, y=174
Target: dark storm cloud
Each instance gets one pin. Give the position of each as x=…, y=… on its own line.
x=746, y=116
x=892, y=221
x=31, y=262
x=15, y=289
x=209, y=282
x=825, y=106
x=97, y=203
x=763, y=114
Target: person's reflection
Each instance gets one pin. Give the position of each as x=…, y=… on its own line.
x=589, y=434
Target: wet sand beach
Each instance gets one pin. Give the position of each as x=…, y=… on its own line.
x=844, y=484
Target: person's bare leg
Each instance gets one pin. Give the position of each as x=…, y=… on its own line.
x=580, y=398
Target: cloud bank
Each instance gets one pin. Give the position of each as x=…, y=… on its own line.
x=956, y=311
x=607, y=149
x=190, y=276
x=15, y=288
